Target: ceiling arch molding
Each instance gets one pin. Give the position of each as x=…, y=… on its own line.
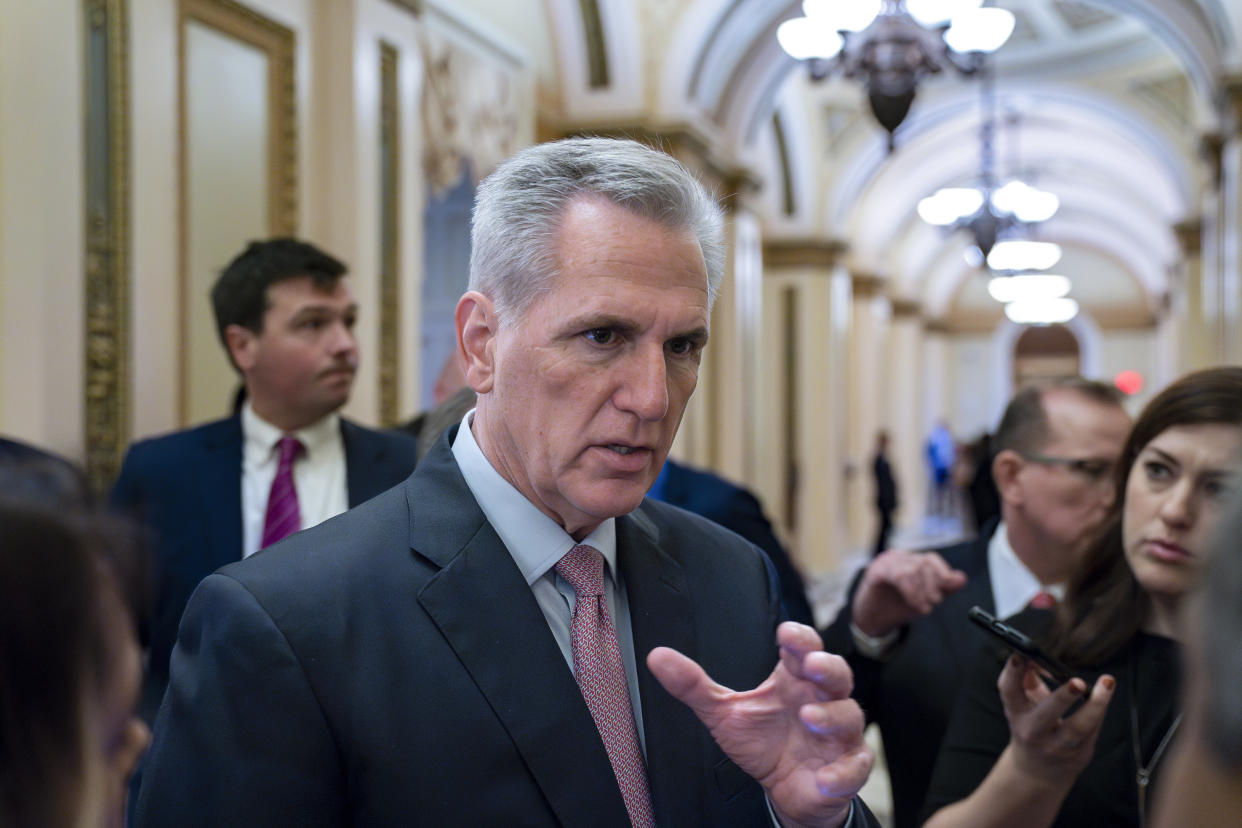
x=621, y=46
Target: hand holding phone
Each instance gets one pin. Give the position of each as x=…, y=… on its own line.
x=1053, y=672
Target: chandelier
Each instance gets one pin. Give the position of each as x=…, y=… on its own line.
x=891, y=45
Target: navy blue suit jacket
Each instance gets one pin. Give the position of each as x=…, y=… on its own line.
x=392, y=667
x=736, y=508
x=186, y=487
x=912, y=694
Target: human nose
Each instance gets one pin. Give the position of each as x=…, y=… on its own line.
x=644, y=388
x=1177, y=508
x=343, y=341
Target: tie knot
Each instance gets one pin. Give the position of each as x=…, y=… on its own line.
x=1043, y=600
x=290, y=447
x=583, y=568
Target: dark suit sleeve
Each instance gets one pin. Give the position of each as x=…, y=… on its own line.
x=240, y=739
x=745, y=516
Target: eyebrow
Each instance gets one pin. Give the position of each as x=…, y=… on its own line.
x=1208, y=472
x=308, y=310
x=627, y=327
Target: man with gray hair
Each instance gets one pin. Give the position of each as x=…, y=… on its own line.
x=515, y=635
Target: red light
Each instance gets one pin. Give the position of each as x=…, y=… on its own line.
x=1129, y=382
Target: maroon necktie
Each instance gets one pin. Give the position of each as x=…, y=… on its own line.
x=283, y=516
x=601, y=677
x=1043, y=600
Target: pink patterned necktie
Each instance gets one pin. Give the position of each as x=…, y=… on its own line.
x=601, y=677
x=283, y=515
x=1043, y=600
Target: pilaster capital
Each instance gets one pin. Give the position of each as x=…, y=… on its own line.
x=867, y=285
x=936, y=326
x=1212, y=150
x=817, y=253
x=1189, y=233
x=1230, y=100
x=905, y=308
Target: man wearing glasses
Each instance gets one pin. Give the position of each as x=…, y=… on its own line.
x=904, y=629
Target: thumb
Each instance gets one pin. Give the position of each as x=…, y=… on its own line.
x=683, y=678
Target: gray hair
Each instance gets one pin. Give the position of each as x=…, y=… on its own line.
x=518, y=209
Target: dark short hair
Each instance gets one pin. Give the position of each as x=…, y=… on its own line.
x=239, y=296
x=1024, y=426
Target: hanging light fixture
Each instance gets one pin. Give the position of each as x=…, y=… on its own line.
x=993, y=213
x=890, y=45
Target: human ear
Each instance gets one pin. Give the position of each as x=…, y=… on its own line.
x=1006, y=469
x=477, y=327
x=241, y=344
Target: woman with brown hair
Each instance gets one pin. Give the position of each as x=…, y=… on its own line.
x=1087, y=752
x=70, y=668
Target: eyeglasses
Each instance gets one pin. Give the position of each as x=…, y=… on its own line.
x=1094, y=469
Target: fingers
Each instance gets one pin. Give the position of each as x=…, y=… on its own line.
x=803, y=657
x=843, y=778
x=683, y=678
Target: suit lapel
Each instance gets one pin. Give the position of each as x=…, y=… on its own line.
x=219, y=475
x=490, y=618
x=661, y=614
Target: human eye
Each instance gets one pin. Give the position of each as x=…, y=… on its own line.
x=311, y=323
x=350, y=320
x=1218, y=488
x=1094, y=469
x=600, y=336
x=1157, y=471
x=682, y=346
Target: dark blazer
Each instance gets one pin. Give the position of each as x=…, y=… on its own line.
x=911, y=695
x=392, y=667
x=186, y=487
x=735, y=508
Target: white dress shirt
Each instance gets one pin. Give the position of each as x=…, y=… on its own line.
x=1013, y=585
x=537, y=543
x=319, y=473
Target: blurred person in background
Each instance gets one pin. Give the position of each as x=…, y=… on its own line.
x=69, y=735
x=1025, y=757
x=904, y=629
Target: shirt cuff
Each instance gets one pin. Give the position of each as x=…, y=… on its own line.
x=776, y=823
x=878, y=647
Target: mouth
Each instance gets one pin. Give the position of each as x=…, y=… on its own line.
x=625, y=458
x=1168, y=551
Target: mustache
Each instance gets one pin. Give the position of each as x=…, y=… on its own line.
x=344, y=365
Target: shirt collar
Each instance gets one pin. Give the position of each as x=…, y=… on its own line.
x=535, y=540
x=1013, y=585
x=261, y=436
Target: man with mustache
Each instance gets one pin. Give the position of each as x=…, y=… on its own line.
x=285, y=460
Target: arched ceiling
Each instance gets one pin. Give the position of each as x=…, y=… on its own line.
x=1113, y=98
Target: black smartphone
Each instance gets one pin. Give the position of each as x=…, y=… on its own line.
x=1054, y=672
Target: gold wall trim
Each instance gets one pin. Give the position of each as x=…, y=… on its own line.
x=106, y=388
x=390, y=237
x=867, y=285
x=279, y=44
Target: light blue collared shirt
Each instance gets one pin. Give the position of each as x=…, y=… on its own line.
x=537, y=543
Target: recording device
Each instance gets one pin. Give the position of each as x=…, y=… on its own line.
x=1054, y=673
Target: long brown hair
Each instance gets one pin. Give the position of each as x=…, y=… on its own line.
x=1104, y=604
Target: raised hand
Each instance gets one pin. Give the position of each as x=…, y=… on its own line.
x=798, y=733
x=899, y=586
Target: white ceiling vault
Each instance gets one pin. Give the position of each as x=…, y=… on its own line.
x=1106, y=104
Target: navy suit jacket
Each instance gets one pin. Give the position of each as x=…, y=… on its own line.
x=392, y=667
x=186, y=487
x=735, y=508
x=912, y=694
